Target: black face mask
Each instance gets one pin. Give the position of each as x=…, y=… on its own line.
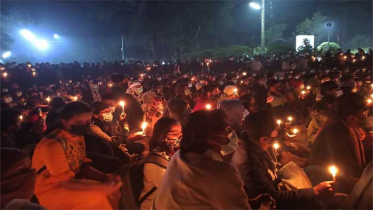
x=80, y=130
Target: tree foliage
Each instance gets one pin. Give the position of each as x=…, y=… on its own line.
x=325, y=47
x=221, y=52
x=280, y=47
x=314, y=26
x=360, y=41
x=275, y=32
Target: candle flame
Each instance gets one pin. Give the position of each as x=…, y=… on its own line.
x=290, y=118
x=75, y=98
x=303, y=92
x=121, y=103
x=279, y=122
x=208, y=106
x=333, y=170
x=276, y=146
x=295, y=131
x=144, y=125
x=308, y=87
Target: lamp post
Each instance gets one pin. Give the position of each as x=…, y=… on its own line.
x=262, y=18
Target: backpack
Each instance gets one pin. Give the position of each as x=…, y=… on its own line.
x=133, y=181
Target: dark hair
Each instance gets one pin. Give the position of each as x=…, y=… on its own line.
x=246, y=100
x=328, y=86
x=349, y=104
x=118, y=78
x=325, y=102
x=98, y=106
x=259, y=124
x=109, y=96
x=9, y=117
x=199, y=128
x=57, y=103
x=161, y=128
x=74, y=108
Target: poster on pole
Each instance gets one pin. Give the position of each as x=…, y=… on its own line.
x=299, y=40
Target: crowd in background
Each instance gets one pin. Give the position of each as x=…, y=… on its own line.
x=236, y=133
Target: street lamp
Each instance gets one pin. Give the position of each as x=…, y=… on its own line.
x=262, y=17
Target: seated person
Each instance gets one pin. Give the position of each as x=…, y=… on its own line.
x=259, y=173
x=164, y=142
x=55, y=108
x=60, y=158
x=17, y=180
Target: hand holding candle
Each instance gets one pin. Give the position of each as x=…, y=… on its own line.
x=121, y=103
x=295, y=131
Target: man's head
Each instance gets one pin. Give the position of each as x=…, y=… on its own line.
x=351, y=108
x=101, y=112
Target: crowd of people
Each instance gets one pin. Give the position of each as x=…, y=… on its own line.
x=294, y=131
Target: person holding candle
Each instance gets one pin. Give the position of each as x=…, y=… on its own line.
x=230, y=92
x=10, y=124
x=55, y=107
x=259, y=172
x=340, y=143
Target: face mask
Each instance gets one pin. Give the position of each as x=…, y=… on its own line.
x=95, y=86
x=80, y=130
x=139, y=90
x=67, y=84
x=234, y=81
x=8, y=100
x=159, y=79
x=231, y=146
x=19, y=93
x=59, y=94
x=112, y=109
x=187, y=92
x=190, y=85
x=108, y=117
x=173, y=142
x=185, y=76
x=296, y=77
x=221, y=83
x=254, y=75
x=338, y=93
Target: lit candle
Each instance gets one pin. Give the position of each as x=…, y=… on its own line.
x=371, y=95
x=48, y=99
x=235, y=90
x=303, y=92
x=110, y=85
x=5, y=74
x=143, y=126
x=208, y=106
x=290, y=119
x=279, y=122
x=333, y=170
x=21, y=118
x=369, y=101
x=295, y=131
x=308, y=87
x=241, y=81
x=353, y=61
x=75, y=98
x=121, y=103
x=40, y=112
x=244, y=73
x=345, y=57
x=33, y=74
x=276, y=146
x=363, y=58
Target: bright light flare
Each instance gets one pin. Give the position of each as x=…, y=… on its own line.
x=41, y=44
x=208, y=107
x=303, y=92
x=56, y=36
x=279, y=122
x=308, y=87
x=75, y=98
x=5, y=74
x=295, y=131
x=6, y=55
x=255, y=5
x=290, y=119
x=28, y=35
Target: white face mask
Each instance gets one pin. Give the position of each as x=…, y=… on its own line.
x=140, y=90
x=19, y=93
x=190, y=85
x=234, y=81
x=108, y=117
x=338, y=93
x=187, y=92
x=159, y=79
x=231, y=146
x=296, y=77
x=221, y=83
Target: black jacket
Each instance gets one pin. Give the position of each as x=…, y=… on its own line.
x=259, y=176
